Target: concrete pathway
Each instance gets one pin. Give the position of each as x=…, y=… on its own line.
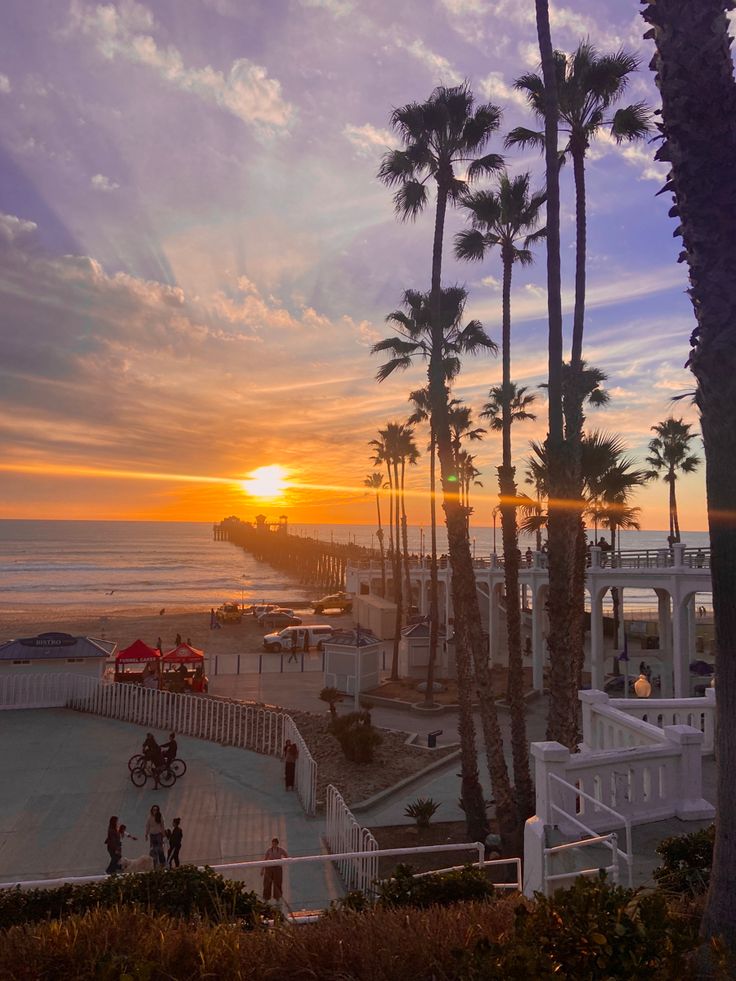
x=64, y=773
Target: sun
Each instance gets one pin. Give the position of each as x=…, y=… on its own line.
x=266, y=483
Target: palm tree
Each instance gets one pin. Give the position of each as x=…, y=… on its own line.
x=387, y=451
x=467, y=477
x=408, y=454
x=375, y=482
x=695, y=78
x=562, y=722
x=670, y=453
x=521, y=401
x=508, y=218
x=413, y=324
x=378, y=459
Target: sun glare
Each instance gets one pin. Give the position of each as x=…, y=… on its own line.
x=266, y=483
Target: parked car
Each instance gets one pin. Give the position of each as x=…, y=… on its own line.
x=229, y=613
x=279, y=618
x=306, y=637
x=335, y=601
x=260, y=608
x=277, y=609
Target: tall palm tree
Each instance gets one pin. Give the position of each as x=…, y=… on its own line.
x=669, y=453
x=562, y=722
x=387, y=448
x=375, y=482
x=467, y=477
x=695, y=78
x=413, y=325
x=521, y=400
x=508, y=218
x=380, y=459
x=408, y=454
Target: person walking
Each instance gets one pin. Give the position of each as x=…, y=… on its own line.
x=175, y=839
x=155, y=831
x=291, y=754
x=122, y=831
x=273, y=875
x=114, y=848
x=294, y=646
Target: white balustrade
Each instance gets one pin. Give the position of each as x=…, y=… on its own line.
x=231, y=723
x=700, y=713
x=344, y=834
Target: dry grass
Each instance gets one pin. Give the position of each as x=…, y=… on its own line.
x=382, y=945
x=405, y=689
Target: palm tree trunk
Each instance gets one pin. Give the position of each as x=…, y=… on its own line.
x=509, y=534
x=616, y=600
x=398, y=590
x=695, y=77
x=578, y=320
x=390, y=521
x=380, y=543
x=673, y=512
x=405, y=542
x=562, y=722
x=434, y=618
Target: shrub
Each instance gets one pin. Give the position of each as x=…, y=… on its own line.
x=686, y=861
x=422, y=810
x=592, y=931
x=356, y=735
x=184, y=892
x=332, y=696
x=438, y=889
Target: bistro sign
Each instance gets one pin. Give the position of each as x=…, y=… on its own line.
x=49, y=640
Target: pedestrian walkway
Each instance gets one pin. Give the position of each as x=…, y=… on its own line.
x=64, y=774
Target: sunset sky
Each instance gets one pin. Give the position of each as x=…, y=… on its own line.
x=196, y=255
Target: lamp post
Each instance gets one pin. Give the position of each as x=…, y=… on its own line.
x=421, y=545
x=495, y=515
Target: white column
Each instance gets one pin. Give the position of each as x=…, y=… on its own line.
x=665, y=642
x=538, y=642
x=549, y=757
x=597, y=667
x=690, y=805
x=680, y=651
x=622, y=620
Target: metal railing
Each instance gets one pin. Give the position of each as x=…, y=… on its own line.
x=573, y=792
x=609, y=841
x=344, y=834
x=250, y=727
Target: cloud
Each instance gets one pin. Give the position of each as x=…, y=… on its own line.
x=463, y=8
x=336, y=7
x=437, y=65
x=105, y=184
x=5, y=86
x=367, y=139
x=638, y=155
x=494, y=87
x=246, y=91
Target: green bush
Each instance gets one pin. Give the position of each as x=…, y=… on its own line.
x=332, y=696
x=686, y=862
x=184, y=892
x=438, y=889
x=592, y=931
x=423, y=809
x=356, y=735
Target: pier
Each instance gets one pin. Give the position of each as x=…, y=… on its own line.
x=311, y=562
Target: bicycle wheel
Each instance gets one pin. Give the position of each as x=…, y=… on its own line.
x=134, y=762
x=166, y=777
x=139, y=777
x=178, y=767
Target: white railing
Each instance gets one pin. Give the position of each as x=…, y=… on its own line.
x=576, y=803
x=700, y=713
x=344, y=834
x=205, y=717
x=575, y=847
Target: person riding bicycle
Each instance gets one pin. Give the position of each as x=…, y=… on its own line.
x=169, y=749
x=152, y=751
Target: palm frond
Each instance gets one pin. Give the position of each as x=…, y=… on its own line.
x=410, y=199
x=522, y=137
x=631, y=123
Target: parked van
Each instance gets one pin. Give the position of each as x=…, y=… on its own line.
x=306, y=637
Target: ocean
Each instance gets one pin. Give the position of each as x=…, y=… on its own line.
x=114, y=564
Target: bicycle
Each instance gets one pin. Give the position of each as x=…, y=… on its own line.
x=163, y=776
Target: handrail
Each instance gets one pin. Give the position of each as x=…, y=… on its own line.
x=610, y=841
x=626, y=822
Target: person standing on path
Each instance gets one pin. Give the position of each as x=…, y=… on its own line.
x=291, y=755
x=273, y=875
x=175, y=838
x=155, y=830
x=114, y=847
x=294, y=646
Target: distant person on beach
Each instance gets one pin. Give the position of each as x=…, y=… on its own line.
x=273, y=875
x=114, y=847
x=529, y=555
x=177, y=642
x=155, y=830
x=175, y=839
x=159, y=646
x=291, y=755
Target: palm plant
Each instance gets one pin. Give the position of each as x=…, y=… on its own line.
x=669, y=452
x=380, y=459
x=375, y=482
x=408, y=453
x=520, y=400
x=387, y=451
x=467, y=477
x=415, y=337
x=694, y=73
x=508, y=219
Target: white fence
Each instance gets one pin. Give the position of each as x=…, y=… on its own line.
x=230, y=723
x=344, y=834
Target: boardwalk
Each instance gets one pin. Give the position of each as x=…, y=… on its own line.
x=63, y=774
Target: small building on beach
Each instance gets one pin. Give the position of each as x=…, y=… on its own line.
x=55, y=653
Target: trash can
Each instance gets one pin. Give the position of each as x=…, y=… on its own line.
x=432, y=738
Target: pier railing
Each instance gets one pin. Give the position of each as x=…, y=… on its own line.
x=229, y=723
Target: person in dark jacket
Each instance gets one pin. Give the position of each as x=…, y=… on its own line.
x=175, y=839
x=114, y=846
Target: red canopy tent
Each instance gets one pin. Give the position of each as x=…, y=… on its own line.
x=138, y=651
x=183, y=654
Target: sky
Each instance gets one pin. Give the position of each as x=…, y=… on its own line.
x=196, y=255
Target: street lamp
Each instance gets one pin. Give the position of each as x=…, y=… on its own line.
x=421, y=545
x=642, y=687
x=495, y=514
